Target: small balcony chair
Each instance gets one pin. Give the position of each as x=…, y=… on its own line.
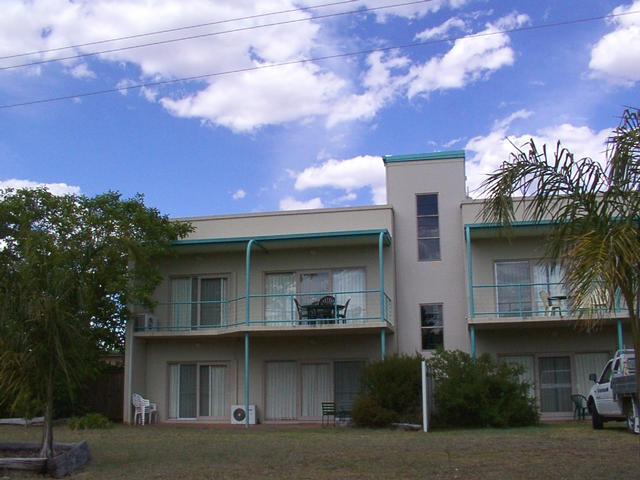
x=549, y=309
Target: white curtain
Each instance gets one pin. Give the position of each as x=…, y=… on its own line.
x=316, y=388
x=351, y=281
x=513, y=290
x=547, y=277
x=213, y=390
x=587, y=363
x=174, y=389
x=181, y=300
x=528, y=375
x=281, y=391
x=279, y=308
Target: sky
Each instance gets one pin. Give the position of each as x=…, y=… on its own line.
x=238, y=106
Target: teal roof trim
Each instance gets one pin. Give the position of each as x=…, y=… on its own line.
x=415, y=157
x=521, y=223
x=291, y=236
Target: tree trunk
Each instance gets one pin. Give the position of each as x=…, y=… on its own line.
x=46, y=450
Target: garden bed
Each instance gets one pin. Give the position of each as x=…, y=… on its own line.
x=23, y=456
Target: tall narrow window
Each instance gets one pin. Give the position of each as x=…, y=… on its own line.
x=198, y=302
x=428, y=227
x=431, y=325
x=555, y=384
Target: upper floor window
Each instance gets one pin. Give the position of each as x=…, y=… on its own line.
x=198, y=302
x=428, y=228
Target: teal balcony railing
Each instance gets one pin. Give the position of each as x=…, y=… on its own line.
x=530, y=300
x=360, y=307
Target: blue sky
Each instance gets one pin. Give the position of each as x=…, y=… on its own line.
x=310, y=133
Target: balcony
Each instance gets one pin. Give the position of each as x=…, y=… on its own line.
x=532, y=302
x=362, y=309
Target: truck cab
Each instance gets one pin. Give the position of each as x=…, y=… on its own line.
x=607, y=401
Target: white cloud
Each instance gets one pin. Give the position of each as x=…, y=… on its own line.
x=82, y=70
x=441, y=30
x=486, y=153
x=238, y=194
x=348, y=175
x=55, y=188
x=616, y=56
x=469, y=59
x=249, y=100
x=418, y=10
x=290, y=203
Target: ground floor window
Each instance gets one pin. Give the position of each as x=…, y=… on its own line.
x=297, y=389
x=555, y=384
x=528, y=374
x=197, y=390
x=431, y=326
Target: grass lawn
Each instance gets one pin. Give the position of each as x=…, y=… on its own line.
x=568, y=450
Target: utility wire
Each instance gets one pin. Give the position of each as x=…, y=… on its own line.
x=317, y=59
x=211, y=34
x=177, y=29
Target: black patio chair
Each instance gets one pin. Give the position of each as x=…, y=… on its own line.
x=328, y=410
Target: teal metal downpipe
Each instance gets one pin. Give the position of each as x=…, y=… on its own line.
x=383, y=339
x=467, y=232
x=472, y=332
x=246, y=335
x=620, y=340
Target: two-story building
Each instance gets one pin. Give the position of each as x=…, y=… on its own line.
x=280, y=311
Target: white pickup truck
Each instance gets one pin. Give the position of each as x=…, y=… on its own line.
x=613, y=396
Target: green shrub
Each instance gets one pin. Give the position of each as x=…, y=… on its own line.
x=390, y=392
x=479, y=392
x=90, y=421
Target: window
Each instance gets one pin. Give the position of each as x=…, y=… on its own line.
x=428, y=229
x=307, y=287
x=431, y=326
x=513, y=288
x=346, y=383
x=197, y=390
x=519, y=283
x=198, y=302
x=555, y=384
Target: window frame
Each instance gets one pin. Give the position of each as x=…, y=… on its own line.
x=196, y=305
x=198, y=365
x=431, y=238
x=440, y=325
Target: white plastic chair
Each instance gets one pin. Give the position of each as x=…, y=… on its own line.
x=549, y=309
x=139, y=408
x=143, y=409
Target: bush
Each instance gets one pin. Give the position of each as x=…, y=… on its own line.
x=390, y=392
x=90, y=421
x=479, y=392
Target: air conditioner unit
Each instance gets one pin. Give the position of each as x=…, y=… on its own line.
x=146, y=321
x=239, y=414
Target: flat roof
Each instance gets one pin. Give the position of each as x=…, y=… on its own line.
x=415, y=157
x=280, y=237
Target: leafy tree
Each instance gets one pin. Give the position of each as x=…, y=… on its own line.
x=594, y=210
x=390, y=392
x=479, y=392
x=69, y=266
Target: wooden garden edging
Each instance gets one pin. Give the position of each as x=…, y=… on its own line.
x=73, y=457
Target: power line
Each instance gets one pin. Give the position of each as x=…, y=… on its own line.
x=317, y=59
x=177, y=29
x=204, y=35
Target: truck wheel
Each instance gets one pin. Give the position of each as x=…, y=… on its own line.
x=596, y=419
x=633, y=417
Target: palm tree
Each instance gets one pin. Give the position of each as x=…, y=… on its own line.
x=594, y=212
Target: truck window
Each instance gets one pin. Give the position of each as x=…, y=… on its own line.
x=606, y=373
x=616, y=367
